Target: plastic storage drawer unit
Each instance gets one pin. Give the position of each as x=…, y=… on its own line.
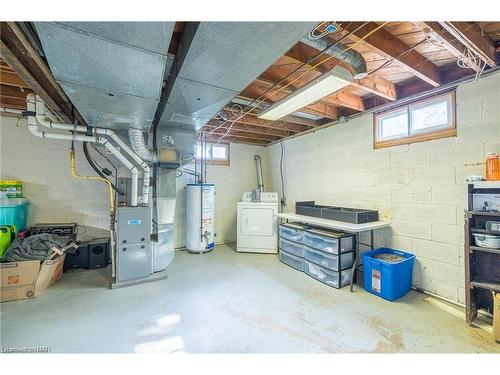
x=387, y=273
x=331, y=261
x=293, y=248
x=337, y=279
x=292, y=232
x=292, y=260
x=331, y=242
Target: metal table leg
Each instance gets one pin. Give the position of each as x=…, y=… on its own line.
x=356, y=255
x=356, y=252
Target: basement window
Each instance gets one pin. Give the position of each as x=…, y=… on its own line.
x=214, y=153
x=420, y=121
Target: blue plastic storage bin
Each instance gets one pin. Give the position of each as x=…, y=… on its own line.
x=14, y=211
x=386, y=279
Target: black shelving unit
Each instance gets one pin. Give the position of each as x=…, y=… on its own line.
x=482, y=264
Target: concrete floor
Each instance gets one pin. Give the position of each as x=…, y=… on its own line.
x=227, y=302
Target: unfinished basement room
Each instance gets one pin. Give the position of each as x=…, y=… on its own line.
x=250, y=186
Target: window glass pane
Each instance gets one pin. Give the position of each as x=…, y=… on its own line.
x=219, y=152
x=394, y=125
x=429, y=116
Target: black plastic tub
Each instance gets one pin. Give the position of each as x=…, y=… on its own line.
x=345, y=214
x=308, y=208
x=349, y=215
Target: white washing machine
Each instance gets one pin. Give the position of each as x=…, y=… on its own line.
x=258, y=224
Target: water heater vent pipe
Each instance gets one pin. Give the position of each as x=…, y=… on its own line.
x=260, y=180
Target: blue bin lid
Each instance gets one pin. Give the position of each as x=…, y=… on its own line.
x=12, y=202
x=384, y=250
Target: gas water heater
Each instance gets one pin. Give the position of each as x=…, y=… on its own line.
x=200, y=235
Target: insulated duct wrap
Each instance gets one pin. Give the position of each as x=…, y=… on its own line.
x=139, y=146
x=341, y=52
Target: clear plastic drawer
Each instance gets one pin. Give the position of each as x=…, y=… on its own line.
x=292, y=260
x=336, y=279
x=294, y=248
x=329, y=242
x=328, y=260
x=292, y=232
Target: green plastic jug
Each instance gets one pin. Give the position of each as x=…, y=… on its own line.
x=7, y=234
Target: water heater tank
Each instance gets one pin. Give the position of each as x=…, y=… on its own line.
x=200, y=235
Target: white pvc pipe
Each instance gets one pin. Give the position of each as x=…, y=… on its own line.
x=33, y=127
x=42, y=120
x=11, y=110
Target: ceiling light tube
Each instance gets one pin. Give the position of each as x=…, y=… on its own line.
x=326, y=84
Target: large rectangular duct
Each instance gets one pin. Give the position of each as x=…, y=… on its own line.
x=111, y=71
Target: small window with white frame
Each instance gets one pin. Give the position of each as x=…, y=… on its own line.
x=419, y=121
x=213, y=153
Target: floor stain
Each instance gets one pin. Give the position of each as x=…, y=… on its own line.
x=392, y=341
x=267, y=322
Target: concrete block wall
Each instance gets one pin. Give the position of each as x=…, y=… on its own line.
x=418, y=188
x=43, y=166
x=55, y=196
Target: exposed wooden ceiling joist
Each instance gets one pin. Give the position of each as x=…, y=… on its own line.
x=9, y=77
x=248, y=128
x=373, y=84
x=394, y=49
x=17, y=51
x=450, y=72
x=302, y=121
x=239, y=133
x=291, y=123
x=441, y=36
x=230, y=138
x=13, y=97
x=471, y=34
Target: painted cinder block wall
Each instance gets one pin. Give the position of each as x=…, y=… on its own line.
x=418, y=188
x=43, y=166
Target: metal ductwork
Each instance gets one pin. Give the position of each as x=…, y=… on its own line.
x=341, y=52
x=111, y=71
x=136, y=138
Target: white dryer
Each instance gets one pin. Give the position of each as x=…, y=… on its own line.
x=257, y=224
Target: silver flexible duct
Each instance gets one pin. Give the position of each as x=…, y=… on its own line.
x=258, y=166
x=139, y=145
x=340, y=51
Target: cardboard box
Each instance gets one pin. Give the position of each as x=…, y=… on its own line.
x=496, y=316
x=28, y=279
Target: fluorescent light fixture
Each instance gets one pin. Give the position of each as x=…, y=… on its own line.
x=328, y=83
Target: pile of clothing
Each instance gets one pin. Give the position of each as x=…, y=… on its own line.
x=35, y=247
